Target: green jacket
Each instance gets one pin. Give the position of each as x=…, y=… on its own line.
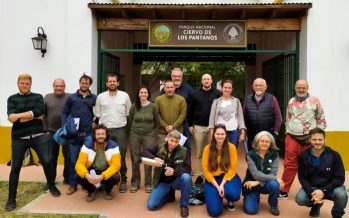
x=178, y=160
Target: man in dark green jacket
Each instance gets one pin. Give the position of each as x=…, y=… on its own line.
x=173, y=173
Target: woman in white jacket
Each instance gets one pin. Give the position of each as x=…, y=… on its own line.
x=227, y=110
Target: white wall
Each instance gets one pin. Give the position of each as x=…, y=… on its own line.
x=327, y=59
x=71, y=45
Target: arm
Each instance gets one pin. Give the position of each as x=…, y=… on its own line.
x=80, y=166
x=128, y=105
x=233, y=163
x=156, y=117
x=302, y=175
x=212, y=118
x=320, y=116
x=150, y=152
x=114, y=165
x=278, y=116
x=191, y=111
x=66, y=110
x=97, y=108
x=182, y=114
x=240, y=121
x=45, y=123
x=338, y=174
x=205, y=170
x=163, y=124
x=260, y=176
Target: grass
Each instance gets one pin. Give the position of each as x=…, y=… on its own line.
x=27, y=192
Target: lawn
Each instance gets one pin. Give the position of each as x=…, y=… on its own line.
x=28, y=191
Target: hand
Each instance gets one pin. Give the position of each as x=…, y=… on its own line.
x=242, y=135
x=99, y=179
x=281, y=183
x=221, y=190
x=169, y=128
x=89, y=178
x=317, y=196
x=191, y=130
x=13, y=118
x=94, y=125
x=169, y=171
x=159, y=161
x=250, y=184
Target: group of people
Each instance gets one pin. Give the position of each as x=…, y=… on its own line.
x=93, y=131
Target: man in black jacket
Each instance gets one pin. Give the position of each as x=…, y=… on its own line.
x=321, y=174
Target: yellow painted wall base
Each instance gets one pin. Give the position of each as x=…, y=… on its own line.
x=337, y=140
x=5, y=143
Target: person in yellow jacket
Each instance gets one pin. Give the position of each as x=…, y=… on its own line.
x=99, y=162
x=219, y=167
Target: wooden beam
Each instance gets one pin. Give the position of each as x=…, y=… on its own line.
x=183, y=14
x=122, y=24
x=213, y=14
x=289, y=24
x=243, y=14
x=272, y=13
x=124, y=13
x=274, y=24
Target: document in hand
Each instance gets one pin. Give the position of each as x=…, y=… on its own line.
x=150, y=162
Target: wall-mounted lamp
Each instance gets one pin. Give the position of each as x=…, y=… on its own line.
x=40, y=41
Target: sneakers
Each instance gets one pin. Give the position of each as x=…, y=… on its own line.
x=275, y=211
x=148, y=188
x=231, y=206
x=71, y=190
x=91, y=197
x=108, y=196
x=315, y=210
x=134, y=189
x=184, y=211
x=54, y=191
x=283, y=196
x=123, y=187
x=11, y=204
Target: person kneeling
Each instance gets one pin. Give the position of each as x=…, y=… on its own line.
x=321, y=174
x=173, y=173
x=219, y=166
x=261, y=174
x=99, y=163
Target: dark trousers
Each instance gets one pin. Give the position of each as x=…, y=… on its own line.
x=119, y=135
x=54, y=157
x=40, y=144
x=108, y=184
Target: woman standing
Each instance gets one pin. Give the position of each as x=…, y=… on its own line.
x=144, y=120
x=219, y=165
x=227, y=110
x=261, y=174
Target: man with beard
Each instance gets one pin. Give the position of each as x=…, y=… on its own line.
x=25, y=110
x=54, y=103
x=99, y=163
x=79, y=106
x=261, y=112
x=112, y=109
x=321, y=174
x=172, y=111
x=184, y=90
x=304, y=112
x=199, y=114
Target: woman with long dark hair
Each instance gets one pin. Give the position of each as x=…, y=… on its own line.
x=143, y=120
x=219, y=165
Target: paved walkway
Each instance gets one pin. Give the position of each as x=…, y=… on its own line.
x=134, y=204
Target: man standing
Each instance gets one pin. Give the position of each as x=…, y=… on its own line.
x=112, y=109
x=54, y=103
x=184, y=90
x=79, y=107
x=261, y=112
x=321, y=174
x=99, y=163
x=304, y=112
x=199, y=114
x=25, y=111
x=172, y=110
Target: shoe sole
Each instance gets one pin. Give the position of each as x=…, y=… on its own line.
x=282, y=198
x=230, y=209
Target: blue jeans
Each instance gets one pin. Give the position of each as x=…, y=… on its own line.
x=233, y=137
x=338, y=195
x=161, y=192
x=74, y=148
x=186, y=133
x=214, y=202
x=251, y=199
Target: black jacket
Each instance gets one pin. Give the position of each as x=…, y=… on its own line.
x=327, y=177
